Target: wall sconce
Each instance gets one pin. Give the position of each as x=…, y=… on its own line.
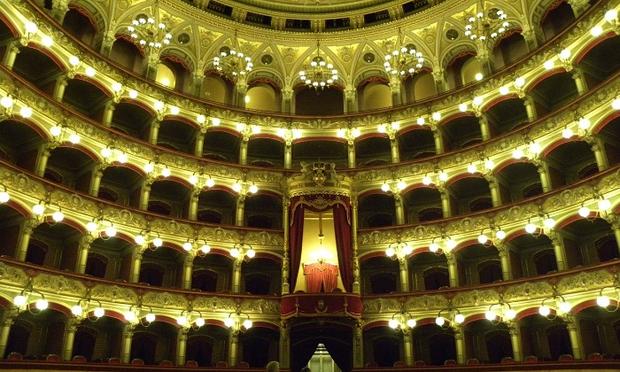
x=242, y=251
x=82, y=309
x=21, y=301
x=449, y=314
x=398, y=250
x=238, y=321
x=403, y=321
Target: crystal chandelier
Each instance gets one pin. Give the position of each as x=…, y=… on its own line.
x=403, y=59
x=486, y=24
x=320, y=73
x=149, y=33
x=232, y=62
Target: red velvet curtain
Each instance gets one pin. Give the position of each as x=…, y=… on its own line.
x=342, y=227
x=295, y=240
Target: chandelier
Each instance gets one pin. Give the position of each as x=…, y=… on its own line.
x=403, y=59
x=486, y=24
x=149, y=33
x=320, y=73
x=232, y=62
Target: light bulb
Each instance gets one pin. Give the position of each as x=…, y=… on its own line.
x=615, y=104
x=530, y=228
x=74, y=61
x=165, y=172
x=174, y=110
x=459, y=318
x=421, y=121
x=517, y=154
x=234, y=252
x=436, y=116
x=229, y=322
x=490, y=315
x=401, y=185
x=91, y=226
x=603, y=301
x=510, y=314
x=130, y=316
x=182, y=320
x=584, y=123
x=25, y=112
x=201, y=119
x=451, y=244
x=393, y=323
x=549, y=223
x=110, y=231
x=390, y=252
x=535, y=148
x=205, y=248
x=4, y=197
x=483, y=239
x=133, y=94
x=443, y=176
x=471, y=168
x=584, y=212
x=150, y=317
x=210, y=182
x=157, y=242
x=500, y=234
x=216, y=122
x=187, y=246
x=106, y=152
x=251, y=253
x=41, y=304
x=236, y=187
x=479, y=76
x=544, y=310
x=31, y=27
x=433, y=247
x=247, y=324
x=503, y=90
x=74, y=138
x=99, y=312
x=55, y=131
x=253, y=189
x=567, y=133
x=489, y=164
x=477, y=101
x=77, y=310
x=548, y=65
x=604, y=205
x=6, y=102
x=426, y=180
x=520, y=82
x=90, y=72
x=611, y=15
x=463, y=107
x=565, y=54
x=38, y=209
x=440, y=321
x=117, y=87
x=596, y=31
x=411, y=323
x=58, y=216
x=385, y=187
x=564, y=307
x=149, y=167
x=199, y=322
x=19, y=300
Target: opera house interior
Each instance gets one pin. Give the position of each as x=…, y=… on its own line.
x=339, y=185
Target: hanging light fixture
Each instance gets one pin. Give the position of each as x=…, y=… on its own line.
x=403, y=59
x=487, y=24
x=403, y=321
x=319, y=74
x=398, y=250
x=148, y=32
x=231, y=62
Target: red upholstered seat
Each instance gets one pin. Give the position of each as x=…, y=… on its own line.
x=566, y=358
x=399, y=363
x=52, y=358
x=191, y=364
x=473, y=361
x=507, y=360
x=531, y=359
x=372, y=365
x=114, y=360
x=243, y=365
x=79, y=359
x=449, y=362
x=137, y=362
x=419, y=363
x=14, y=355
x=221, y=364
x=165, y=363
x=595, y=356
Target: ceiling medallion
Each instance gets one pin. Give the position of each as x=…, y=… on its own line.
x=232, y=62
x=403, y=59
x=320, y=73
x=486, y=24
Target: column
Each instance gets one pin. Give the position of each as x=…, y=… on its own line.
x=233, y=348
x=515, y=340
x=26, y=228
x=5, y=330
x=350, y=99
x=446, y=205
x=543, y=171
x=126, y=343
x=351, y=154
x=460, y=344
x=438, y=137
x=188, y=264
x=285, y=347
x=530, y=108
x=598, y=148
x=394, y=149
x=285, y=260
x=192, y=211
x=440, y=80
x=181, y=346
x=12, y=50
x=239, y=93
x=494, y=189
x=60, y=87
x=95, y=179
x=44, y=154
x=504, y=257
x=107, y=43
x=136, y=262
x=404, y=274
x=197, y=81
x=288, y=155
x=240, y=210
x=152, y=60
x=154, y=131
x=576, y=343
x=243, y=150
x=579, y=6
x=108, y=113
x=200, y=141
x=69, y=337
x=354, y=228
x=82, y=257
x=395, y=88
x=408, y=347
x=59, y=9
x=485, y=130
x=287, y=100
x=558, y=249
x=145, y=193
x=358, y=346
x=453, y=273
x=580, y=80
x=236, y=275
x=530, y=38
x=399, y=209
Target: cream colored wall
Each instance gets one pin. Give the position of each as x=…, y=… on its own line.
x=310, y=245
x=262, y=97
x=469, y=70
x=215, y=89
x=374, y=96
x=165, y=76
